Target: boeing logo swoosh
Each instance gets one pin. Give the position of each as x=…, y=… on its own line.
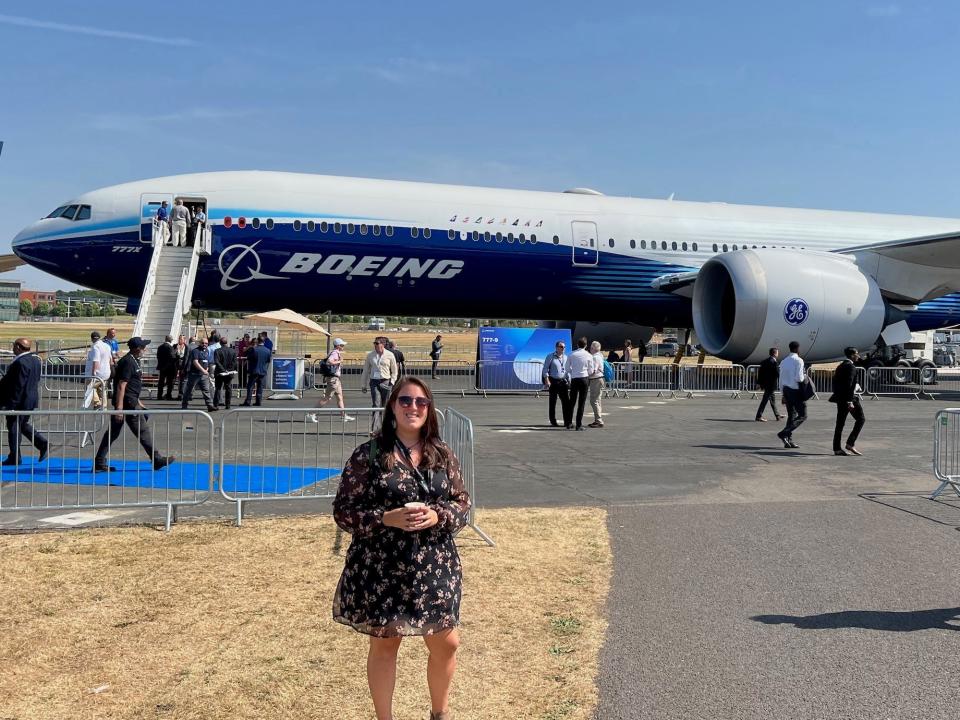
x=238, y=259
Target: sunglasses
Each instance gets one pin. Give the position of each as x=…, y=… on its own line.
x=408, y=401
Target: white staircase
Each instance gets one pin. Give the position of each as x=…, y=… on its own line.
x=167, y=292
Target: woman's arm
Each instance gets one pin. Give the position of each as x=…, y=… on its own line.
x=353, y=508
x=453, y=514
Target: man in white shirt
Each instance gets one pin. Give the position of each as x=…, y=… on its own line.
x=792, y=379
x=180, y=218
x=97, y=370
x=380, y=372
x=596, y=384
x=579, y=367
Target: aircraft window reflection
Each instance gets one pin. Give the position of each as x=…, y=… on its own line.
x=556, y=240
x=724, y=247
x=694, y=247
x=376, y=230
x=533, y=239
x=56, y=213
x=84, y=213
x=663, y=245
x=426, y=233
x=683, y=246
x=297, y=225
x=633, y=244
x=499, y=237
x=389, y=230
x=337, y=227
x=451, y=234
x=611, y=242
x=363, y=229
x=349, y=228
x=311, y=225
x=414, y=232
x=522, y=238
x=269, y=223
x=509, y=237
x=255, y=223
x=476, y=236
x=323, y=226
x=673, y=245
x=70, y=212
x=714, y=247
x=486, y=237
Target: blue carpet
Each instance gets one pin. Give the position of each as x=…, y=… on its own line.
x=270, y=480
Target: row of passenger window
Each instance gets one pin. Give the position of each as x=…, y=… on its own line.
x=377, y=230
x=684, y=247
x=71, y=212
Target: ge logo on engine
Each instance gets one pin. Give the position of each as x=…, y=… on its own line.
x=795, y=312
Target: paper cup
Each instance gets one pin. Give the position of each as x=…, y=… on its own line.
x=414, y=505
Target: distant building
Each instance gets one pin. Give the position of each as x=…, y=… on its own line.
x=38, y=296
x=9, y=300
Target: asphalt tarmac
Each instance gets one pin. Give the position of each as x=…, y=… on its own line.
x=750, y=581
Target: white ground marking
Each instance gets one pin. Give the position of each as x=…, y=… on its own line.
x=80, y=518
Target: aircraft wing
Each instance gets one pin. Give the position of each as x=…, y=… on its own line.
x=941, y=251
x=9, y=262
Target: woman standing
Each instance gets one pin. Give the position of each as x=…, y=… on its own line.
x=402, y=498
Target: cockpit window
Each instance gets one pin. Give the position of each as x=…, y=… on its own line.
x=70, y=212
x=56, y=213
x=84, y=213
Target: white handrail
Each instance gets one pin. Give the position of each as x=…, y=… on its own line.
x=179, y=310
x=150, y=285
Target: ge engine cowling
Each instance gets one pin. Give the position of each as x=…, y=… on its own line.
x=748, y=301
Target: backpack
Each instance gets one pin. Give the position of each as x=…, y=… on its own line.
x=326, y=369
x=608, y=373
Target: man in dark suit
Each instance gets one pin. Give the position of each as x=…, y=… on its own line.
x=258, y=358
x=225, y=370
x=848, y=402
x=166, y=368
x=768, y=376
x=18, y=391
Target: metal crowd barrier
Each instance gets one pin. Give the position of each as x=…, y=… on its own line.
x=946, y=450
x=644, y=377
x=902, y=381
x=65, y=480
x=458, y=435
x=723, y=379
x=942, y=382
x=510, y=377
x=281, y=454
x=452, y=376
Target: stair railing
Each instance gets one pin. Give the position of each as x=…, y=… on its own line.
x=150, y=286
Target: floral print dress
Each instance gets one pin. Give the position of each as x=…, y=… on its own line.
x=396, y=582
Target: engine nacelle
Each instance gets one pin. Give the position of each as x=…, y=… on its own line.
x=747, y=301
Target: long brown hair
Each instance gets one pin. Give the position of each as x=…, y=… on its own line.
x=435, y=454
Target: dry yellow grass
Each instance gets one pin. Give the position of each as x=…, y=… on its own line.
x=215, y=622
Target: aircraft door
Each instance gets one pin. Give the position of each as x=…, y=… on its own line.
x=585, y=244
x=149, y=204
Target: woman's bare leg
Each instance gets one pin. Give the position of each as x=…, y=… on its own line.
x=382, y=674
x=441, y=666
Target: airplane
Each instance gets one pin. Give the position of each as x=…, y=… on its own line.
x=746, y=278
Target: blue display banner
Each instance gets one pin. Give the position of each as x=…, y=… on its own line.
x=283, y=374
x=512, y=358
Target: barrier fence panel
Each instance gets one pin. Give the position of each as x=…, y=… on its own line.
x=450, y=376
x=510, y=376
x=67, y=478
x=644, y=377
x=724, y=379
x=59, y=393
x=943, y=382
x=946, y=450
x=903, y=381
x=283, y=455
x=458, y=435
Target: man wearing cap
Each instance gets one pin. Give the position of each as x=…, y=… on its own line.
x=18, y=391
x=334, y=384
x=129, y=379
x=97, y=370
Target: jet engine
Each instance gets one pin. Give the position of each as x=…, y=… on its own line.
x=746, y=302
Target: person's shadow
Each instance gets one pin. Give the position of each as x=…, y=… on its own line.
x=938, y=619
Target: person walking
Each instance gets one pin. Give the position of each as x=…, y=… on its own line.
x=166, y=368
x=792, y=388
x=596, y=384
x=334, y=386
x=129, y=379
x=225, y=369
x=847, y=398
x=258, y=359
x=97, y=371
x=181, y=351
x=380, y=373
x=558, y=384
x=398, y=354
x=402, y=498
x=578, y=369
x=19, y=390
x=768, y=373
x=436, y=347
x=198, y=374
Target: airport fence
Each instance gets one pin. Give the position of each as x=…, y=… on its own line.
x=946, y=450
x=711, y=379
x=66, y=477
x=508, y=376
x=662, y=379
x=894, y=381
x=458, y=435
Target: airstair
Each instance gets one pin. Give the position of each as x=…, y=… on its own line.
x=168, y=290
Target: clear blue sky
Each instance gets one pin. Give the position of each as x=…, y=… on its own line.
x=842, y=104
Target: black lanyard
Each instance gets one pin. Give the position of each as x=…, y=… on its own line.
x=422, y=476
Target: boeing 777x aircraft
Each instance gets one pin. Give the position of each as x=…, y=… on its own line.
x=745, y=277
